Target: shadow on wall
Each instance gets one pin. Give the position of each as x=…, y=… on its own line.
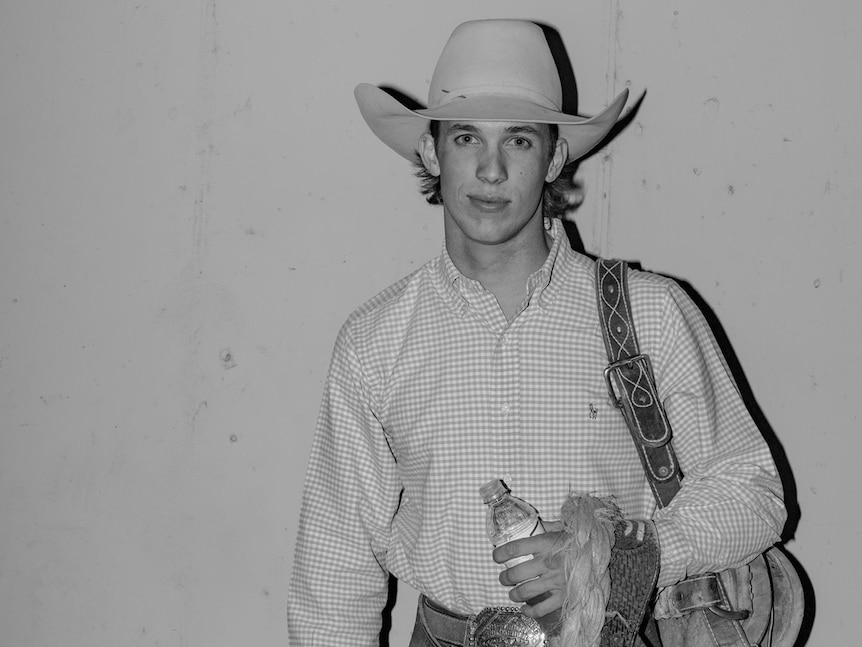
x=778, y=454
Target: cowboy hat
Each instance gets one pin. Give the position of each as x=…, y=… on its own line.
x=490, y=70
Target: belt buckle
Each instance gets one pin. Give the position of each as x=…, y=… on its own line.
x=505, y=627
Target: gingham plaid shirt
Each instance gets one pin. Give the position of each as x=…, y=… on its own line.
x=431, y=393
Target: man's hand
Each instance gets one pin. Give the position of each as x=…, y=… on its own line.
x=539, y=582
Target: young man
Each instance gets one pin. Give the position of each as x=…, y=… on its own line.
x=488, y=363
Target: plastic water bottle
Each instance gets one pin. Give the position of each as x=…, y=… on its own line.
x=508, y=517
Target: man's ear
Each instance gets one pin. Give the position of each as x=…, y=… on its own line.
x=428, y=154
x=558, y=159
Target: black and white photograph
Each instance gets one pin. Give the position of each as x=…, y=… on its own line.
x=451, y=324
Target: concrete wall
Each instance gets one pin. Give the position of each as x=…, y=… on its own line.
x=190, y=205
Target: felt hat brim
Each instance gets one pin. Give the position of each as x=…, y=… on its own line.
x=400, y=127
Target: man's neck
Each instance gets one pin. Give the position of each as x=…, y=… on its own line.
x=503, y=269
x=504, y=263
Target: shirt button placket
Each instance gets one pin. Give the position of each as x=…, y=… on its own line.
x=506, y=395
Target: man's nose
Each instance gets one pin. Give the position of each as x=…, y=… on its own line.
x=492, y=166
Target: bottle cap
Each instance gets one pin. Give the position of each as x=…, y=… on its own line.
x=492, y=490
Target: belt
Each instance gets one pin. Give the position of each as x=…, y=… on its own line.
x=491, y=627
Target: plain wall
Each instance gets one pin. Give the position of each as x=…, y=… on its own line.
x=191, y=204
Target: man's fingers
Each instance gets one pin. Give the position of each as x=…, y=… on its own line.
x=548, y=604
x=539, y=598
x=510, y=550
x=530, y=591
x=526, y=546
x=528, y=570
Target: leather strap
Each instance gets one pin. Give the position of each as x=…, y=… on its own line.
x=632, y=388
x=631, y=384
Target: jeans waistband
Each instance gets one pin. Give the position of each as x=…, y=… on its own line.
x=493, y=626
x=442, y=624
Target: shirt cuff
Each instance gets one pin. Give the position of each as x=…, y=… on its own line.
x=674, y=553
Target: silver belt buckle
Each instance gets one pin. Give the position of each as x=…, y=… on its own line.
x=505, y=627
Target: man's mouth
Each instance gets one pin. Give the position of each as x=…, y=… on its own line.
x=488, y=203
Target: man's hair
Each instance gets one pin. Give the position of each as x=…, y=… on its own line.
x=557, y=198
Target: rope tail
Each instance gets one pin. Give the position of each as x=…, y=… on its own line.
x=589, y=523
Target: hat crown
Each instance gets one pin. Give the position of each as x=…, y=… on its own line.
x=496, y=57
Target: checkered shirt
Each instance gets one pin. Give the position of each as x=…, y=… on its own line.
x=431, y=393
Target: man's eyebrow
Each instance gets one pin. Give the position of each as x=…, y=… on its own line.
x=461, y=128
x=525, y=129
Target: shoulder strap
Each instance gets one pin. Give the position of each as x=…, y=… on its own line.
x=629, y=373
x=631, y=384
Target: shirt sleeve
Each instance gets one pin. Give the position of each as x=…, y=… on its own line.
x=339, y=582
x=730, y=506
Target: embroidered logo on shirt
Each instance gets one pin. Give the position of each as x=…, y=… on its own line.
x=594, y=413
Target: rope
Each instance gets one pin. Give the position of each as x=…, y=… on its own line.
x=589, y=523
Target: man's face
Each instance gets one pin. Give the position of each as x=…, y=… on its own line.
x=492, y=176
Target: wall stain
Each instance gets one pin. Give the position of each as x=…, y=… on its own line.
x=246, y=107
x=209, y=53
x=712, y=105
x=227, y=359
x=203, y=405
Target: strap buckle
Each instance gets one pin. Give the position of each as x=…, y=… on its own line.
x=706, y=592
x=626, y=362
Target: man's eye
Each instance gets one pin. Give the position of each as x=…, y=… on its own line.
x=465, y=139
x=521, y=142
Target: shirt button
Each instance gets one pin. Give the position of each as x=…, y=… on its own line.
x=505, y=408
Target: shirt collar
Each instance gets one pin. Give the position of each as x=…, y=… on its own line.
x=542, y=284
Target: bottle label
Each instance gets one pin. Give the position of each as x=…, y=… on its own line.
x=529, y=529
